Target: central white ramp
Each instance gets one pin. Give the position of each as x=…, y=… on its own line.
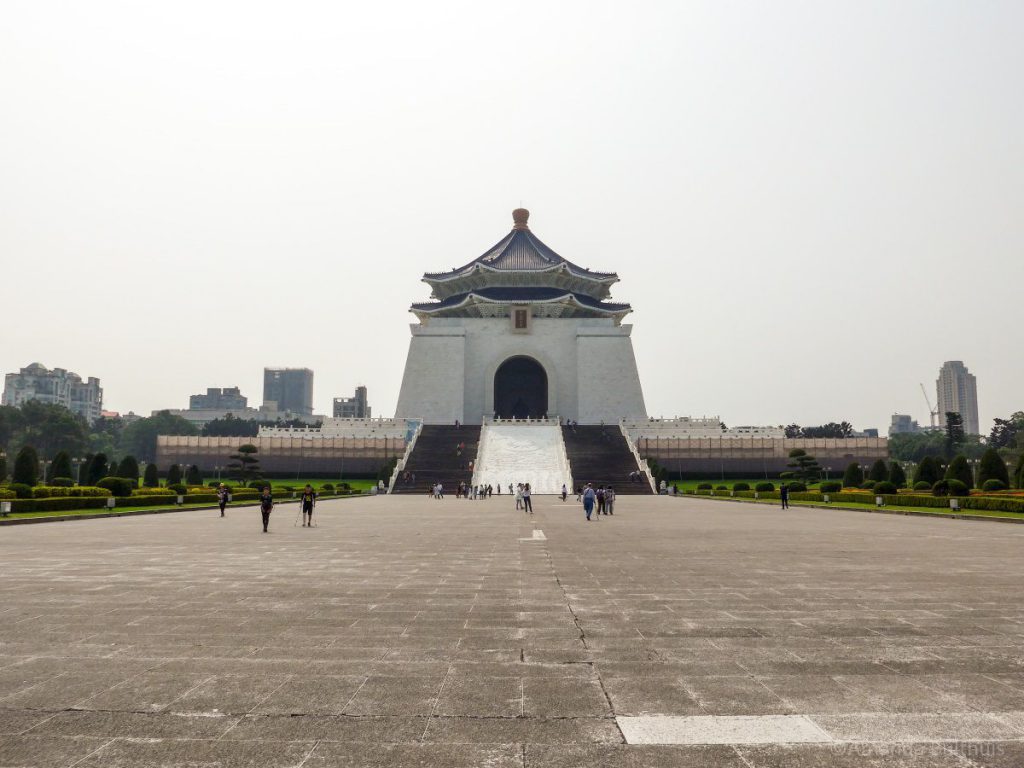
x=523, y=453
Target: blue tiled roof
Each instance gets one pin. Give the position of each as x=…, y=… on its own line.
x=520, y=250
x=524, y=295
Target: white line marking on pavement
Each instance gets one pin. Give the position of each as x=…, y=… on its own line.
x=538, y=535
x=715, y=729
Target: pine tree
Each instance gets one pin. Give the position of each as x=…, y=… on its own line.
x=129, y=468
x=879, y=471
x=245, y=465
x=853, y=477
x=927, y=471
x=97, y=470
x=896, y=475
x=960, y=470
x=193, y=476
x=152, y=477
x=61, y=466
x=26, y=466
x=806, y=466
x=992, y=467
x=174, y=474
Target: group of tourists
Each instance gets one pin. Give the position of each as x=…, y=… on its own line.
x=602, y=498
x=307, y=500
x=466, y=491
x=524, y=499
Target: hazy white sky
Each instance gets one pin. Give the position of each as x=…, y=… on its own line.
x=811, y=205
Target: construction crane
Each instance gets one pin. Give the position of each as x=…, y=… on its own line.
x=932, y=413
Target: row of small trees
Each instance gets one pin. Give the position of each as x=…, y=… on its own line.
x=993, y=474
x=244, y=466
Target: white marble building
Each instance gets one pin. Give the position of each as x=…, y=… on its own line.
x=521, y=332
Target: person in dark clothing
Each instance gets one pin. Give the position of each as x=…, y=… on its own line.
x=527, y=503
x=266, y=506
x=222, y=498
x=308, y=500
x=600, y=500
x=784, y=494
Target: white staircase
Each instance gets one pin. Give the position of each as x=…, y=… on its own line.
x=523, y=453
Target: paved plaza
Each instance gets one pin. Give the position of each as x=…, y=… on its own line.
x=409, y=632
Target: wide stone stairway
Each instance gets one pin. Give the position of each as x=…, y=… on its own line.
x=600, y=455
x=523, y=453
x=436, y=458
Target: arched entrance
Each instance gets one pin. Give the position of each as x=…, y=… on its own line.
x=520, y=389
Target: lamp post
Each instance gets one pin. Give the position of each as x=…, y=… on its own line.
x=974, y=471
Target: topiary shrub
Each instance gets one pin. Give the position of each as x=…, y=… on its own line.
x=950, y=487
x=704, y=487
x=118, y=486
x=62, y=482
x=884, y=487
x=741, y=486
x=993, y=485
x=21, y=490
x=787, y=475
x=797, y=487
x=868, y=485
x=764, y=487
x=721, y=488
x=178, y=488
x=327, y=487
x=921, y=485
x=830, y=486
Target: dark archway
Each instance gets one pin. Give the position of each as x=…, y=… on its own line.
x=520, y=389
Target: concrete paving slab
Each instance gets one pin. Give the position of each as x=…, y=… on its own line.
x=459, y=635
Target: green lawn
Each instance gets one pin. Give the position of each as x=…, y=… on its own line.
x=122, y=510
x=938, y=511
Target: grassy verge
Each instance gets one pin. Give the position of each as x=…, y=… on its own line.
x=938, y=512
x=316, y=482
x=104, y=512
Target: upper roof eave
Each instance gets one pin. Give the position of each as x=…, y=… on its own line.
x=475, y=266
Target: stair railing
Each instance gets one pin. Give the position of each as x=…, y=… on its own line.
x=400, y=464
x=641, y=465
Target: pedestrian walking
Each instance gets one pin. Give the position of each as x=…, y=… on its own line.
x=565, y=492
x=519, y=496
x=308, y=501
x=589, y=497
x=222, y=498
x=527, y=504
x=784, y=495
x=600, y=500
x=266, y=506
x=609, y=500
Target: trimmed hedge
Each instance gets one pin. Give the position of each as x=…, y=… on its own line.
x=884, y=487
x=62, y=482
x=704, y=487
x=830, y=486
x=119, y=486
x=21, y=490
x=59, y=504
x=992, y=484
x=741, y=486
x=7, y=494
x=60, y=492
x=153, y=492
x=764, y=487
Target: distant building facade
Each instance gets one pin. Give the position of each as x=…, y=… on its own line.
x=288, y=389
x=903, y=424
x=57, y=387
x=355, y=407
x=958, y=393
x=226, y=399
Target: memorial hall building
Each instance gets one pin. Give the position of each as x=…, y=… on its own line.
x=521, y=332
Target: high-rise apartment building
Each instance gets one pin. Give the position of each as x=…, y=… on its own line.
x=58, y=387
x=903, y=424
x=355, y=407
x=288, y=389
x=958, y=393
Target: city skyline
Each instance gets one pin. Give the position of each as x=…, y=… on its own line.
x=777, y=188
